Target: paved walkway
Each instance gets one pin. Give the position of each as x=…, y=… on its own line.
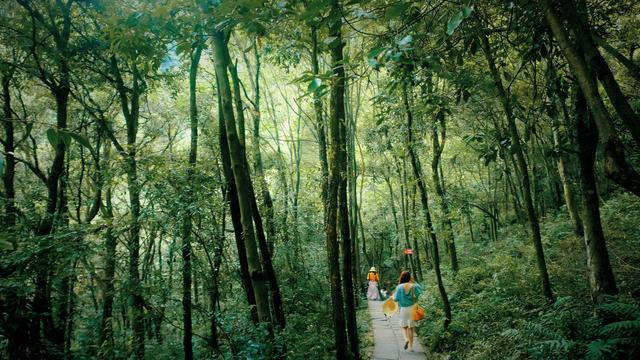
x=388, y=339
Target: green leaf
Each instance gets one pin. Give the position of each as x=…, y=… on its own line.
x=466, y=11
x=66, y=137
x=53, y=137
x=5, y=245
x=454, y=22
x=183, y=48
x=82, y=141
x=395, y=10
x=405, y=40
x=1, y=165
x=373, y=53
x=314, y=85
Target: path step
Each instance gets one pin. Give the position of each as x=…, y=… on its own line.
x=387, y=337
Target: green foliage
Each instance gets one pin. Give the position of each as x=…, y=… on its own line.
x=498, y=313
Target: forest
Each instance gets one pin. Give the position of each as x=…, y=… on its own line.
x=212, y=179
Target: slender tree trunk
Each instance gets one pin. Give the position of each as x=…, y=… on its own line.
x=241, y=177
x=8, y=175
x=187, y=224
x=320, y=128
x=337, y=116
x=392, y=204
x=522, y=165
x=417, y=172
x=267, y=200
x=17, y=333
x=105, y=338
x=231, y=195
x=632, y=68
x=562, y=158
x=601, y=279
x=130, y=104
x=438, y=147
x=616, y=166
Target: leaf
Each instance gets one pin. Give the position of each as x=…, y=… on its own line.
x=405, y=40
x=454, y=22
x=373, y=53
x=466, y=11
x=183, y=48
x=66, y=137
x=1, y=165
x=5, y=245
x=314, y=85
x=82, y=141
x=53, y=137
x=395, y=10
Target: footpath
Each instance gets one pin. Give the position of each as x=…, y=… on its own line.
x=388, y=339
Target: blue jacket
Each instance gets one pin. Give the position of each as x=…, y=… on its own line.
x=404, y=299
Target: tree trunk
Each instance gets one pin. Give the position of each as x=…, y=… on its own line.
x=231, y=195
x=438, y=147
x=562, y=158
x=616, y=166
x=105, y=338
x=417, y=172
x=267, y=201
x=577, y=22
x=17, y=331
x=187, y=224
x=601, y=279
x=522, y=165
x=320, y=128
x=241, y=177
x=337, y=116
x=8, y=175
x=343, y=207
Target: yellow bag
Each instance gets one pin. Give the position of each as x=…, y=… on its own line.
x=418, y=313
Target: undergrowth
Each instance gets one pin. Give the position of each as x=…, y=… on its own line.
x=498, y=309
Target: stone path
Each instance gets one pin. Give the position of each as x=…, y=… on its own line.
x=388, y=339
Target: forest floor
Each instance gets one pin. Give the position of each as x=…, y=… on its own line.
x=388, y=339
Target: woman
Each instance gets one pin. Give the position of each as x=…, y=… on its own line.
x=374, y=279
x=406, y=294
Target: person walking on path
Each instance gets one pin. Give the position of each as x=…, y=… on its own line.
x=406, y=294
x=374, y=280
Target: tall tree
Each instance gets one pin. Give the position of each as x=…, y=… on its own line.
x=616, y=166
x=187, y=342
x=601, y=279
x=424, y=200
x=516, y=146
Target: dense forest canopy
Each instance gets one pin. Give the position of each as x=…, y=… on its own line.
x=213, y=178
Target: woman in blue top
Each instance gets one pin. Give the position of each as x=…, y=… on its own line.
x=405, y=294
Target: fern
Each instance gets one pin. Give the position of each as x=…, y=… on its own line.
x=597, y=349
x=622, y=310
x=618, y=338
x=625, y=328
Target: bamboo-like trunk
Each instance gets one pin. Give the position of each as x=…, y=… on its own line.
x=241, y=177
